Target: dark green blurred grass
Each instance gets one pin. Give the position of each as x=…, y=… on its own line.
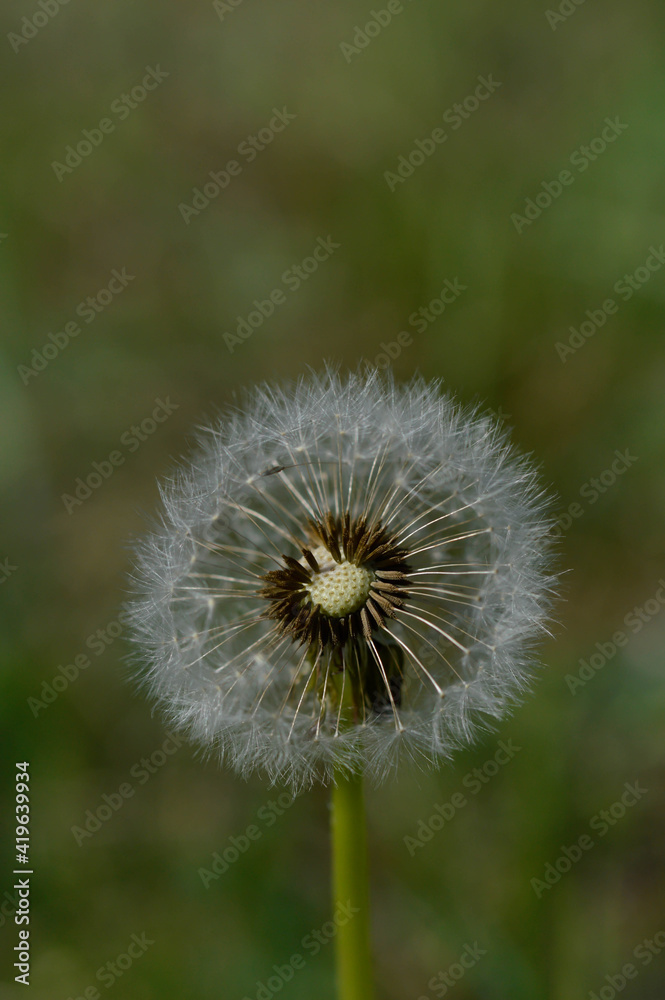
x=163, y=336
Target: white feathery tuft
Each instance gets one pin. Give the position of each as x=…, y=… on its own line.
x=230, y=643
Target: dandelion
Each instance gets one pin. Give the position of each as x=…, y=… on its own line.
x=348, y=573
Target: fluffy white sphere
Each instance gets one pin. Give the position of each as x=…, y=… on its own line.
x=345, y=572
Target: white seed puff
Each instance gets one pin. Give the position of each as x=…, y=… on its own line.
x=346, y=571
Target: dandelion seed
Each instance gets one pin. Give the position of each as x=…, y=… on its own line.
x=348, y=572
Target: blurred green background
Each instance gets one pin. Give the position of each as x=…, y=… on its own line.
x=358, y=108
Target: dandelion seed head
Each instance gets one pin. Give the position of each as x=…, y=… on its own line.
x=348, y=572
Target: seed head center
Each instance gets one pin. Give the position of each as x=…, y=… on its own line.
x=339, y=588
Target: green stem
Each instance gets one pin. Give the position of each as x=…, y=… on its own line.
x=351, y=890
